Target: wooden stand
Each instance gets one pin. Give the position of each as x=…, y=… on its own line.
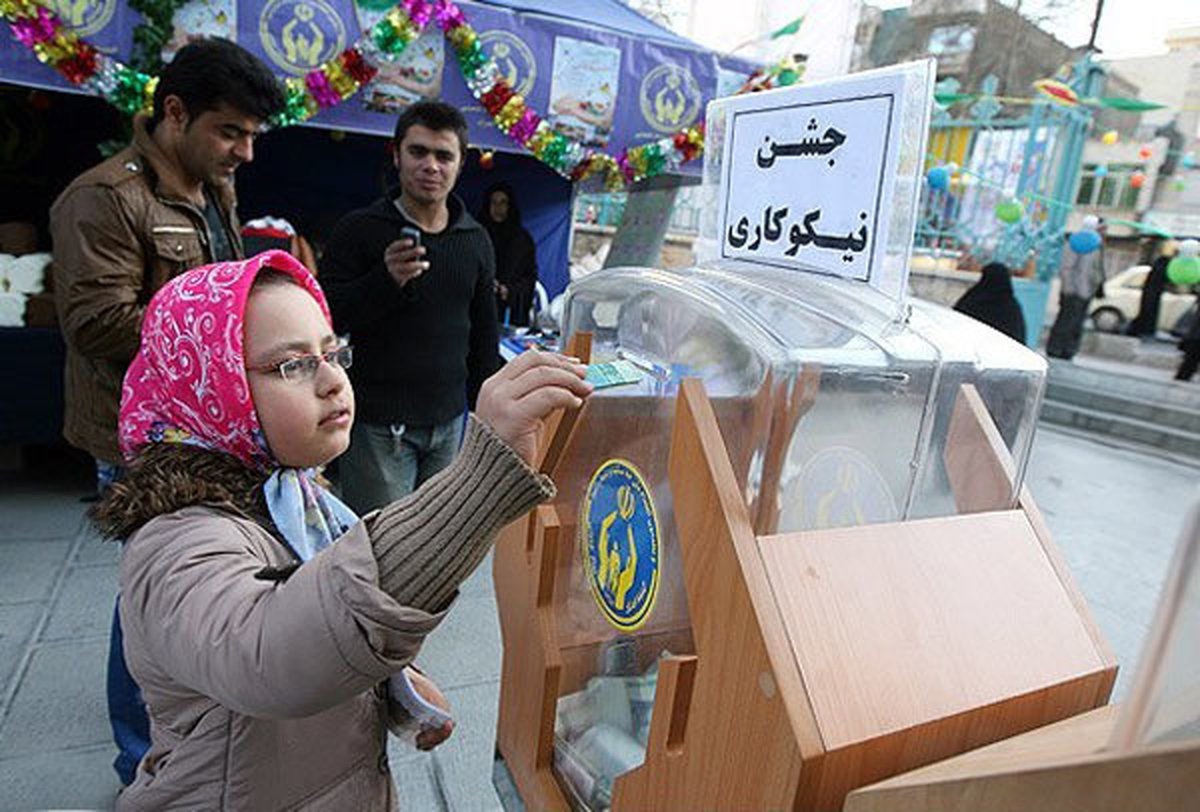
x=823, y=660
x=1060, y=768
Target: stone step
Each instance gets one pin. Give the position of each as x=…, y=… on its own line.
x=1153, y=412
x=1157, y=389
x=1173, y=440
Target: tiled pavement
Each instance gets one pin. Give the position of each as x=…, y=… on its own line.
x=1115, y=514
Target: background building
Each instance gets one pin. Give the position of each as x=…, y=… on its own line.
x=972, y=39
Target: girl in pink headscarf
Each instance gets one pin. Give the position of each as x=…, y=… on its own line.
x=268, y=626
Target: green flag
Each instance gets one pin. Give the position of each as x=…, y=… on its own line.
x=790, y=28
x=1137, y=105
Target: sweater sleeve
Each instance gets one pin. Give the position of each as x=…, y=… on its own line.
x=430, y=541
x=357, y=285
x=483, y=355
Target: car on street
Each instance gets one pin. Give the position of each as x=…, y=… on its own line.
x=1123, y=297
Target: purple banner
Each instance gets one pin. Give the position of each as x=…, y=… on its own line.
x=604, y=88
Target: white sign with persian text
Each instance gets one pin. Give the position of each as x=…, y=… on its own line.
x=809, y=176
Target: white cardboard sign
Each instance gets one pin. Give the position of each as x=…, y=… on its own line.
x=809, y=176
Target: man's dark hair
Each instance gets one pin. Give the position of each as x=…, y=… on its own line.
x=209, y=72
x=436, y=116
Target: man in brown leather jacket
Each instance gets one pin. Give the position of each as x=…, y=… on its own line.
x=162, y=205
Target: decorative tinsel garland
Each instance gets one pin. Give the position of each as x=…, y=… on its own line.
x=40, y=30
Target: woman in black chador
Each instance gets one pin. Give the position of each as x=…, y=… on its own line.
x=516, y=258
x=1146, y=321
x=991, y=301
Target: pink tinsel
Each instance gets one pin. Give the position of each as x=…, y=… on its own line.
x=318, y=84
x=419, y=11
x=525, y=126
x=449, y=15
x=626, y=168
x=31, y=31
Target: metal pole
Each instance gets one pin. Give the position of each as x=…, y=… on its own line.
x=1091, y=46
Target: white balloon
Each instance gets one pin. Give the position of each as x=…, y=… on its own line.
x=1091, y=222
x=1189, y=248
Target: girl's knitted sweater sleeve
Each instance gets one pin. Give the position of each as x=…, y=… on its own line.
x=427, y=543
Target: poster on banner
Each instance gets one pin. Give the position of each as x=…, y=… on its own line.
x=729, y=82
x=817, y=178
x=583, y=90
x=201, y=19
x=998, y=157
x=415, y=75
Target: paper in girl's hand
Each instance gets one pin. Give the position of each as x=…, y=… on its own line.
x=612, y=373
x=420, y=715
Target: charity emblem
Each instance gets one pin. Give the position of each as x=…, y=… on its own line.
x=621, y=546
x=299, y=35
x=85, y=17
x=513, y=58
x=670, y=98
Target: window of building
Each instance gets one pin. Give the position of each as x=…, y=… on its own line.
x=1110, y=190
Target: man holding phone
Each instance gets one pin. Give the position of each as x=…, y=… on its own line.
x=410, y=278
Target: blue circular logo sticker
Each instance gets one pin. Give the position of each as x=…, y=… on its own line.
x=620, y=544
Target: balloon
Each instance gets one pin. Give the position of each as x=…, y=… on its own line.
x=1145, y=152
x=1110, y=137
x=1137, y=180
x=1183, y=270
x=1189, y=160
x=1189, y=248
x=1085, y=241
x=1009, y=211
x=1091, y=222
x=1101, y=170
x=938, y=177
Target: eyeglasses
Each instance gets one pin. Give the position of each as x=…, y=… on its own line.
x=304, y=368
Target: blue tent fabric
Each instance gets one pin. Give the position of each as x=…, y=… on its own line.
x=611, y=14
x=532, y=25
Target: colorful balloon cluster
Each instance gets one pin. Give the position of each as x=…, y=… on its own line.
x=40, y=29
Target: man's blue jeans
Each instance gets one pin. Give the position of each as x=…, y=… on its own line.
x=386, y=463
x=126, y=710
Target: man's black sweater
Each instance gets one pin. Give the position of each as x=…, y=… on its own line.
x=421, y=352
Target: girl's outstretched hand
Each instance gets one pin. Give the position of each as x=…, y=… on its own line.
x=430, y=737
x=515, y=400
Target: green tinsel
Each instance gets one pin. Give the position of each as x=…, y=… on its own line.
x=555, y=152
x=472, y=58
x=129, y=93
x=387, y=38
x=655, y=161
x=295, y=108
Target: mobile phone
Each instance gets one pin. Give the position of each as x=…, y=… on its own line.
x=411, y=233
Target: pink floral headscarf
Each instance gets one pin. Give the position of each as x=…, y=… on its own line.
x=187, y=383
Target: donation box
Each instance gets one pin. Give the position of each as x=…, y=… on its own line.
x=790, y=554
